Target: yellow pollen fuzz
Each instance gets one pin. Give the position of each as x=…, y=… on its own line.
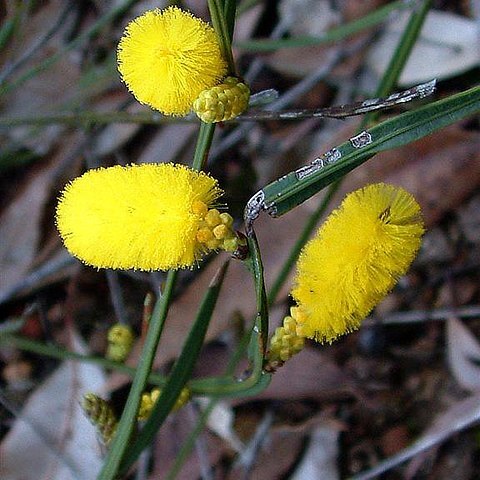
x=355, y=259
x=167, y=57
x=136, y=217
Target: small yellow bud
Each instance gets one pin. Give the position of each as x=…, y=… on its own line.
x=221, y=231
x=205, y=235
x=146, y=405
x=230, y=244
x=182, y=399
x=150, y=399
x=222, y=102
x=101, y=414
x=120, y=342
x=212, y=218
x=154, y=394
x=226, y=219
x=284, y=344
x=214, y=244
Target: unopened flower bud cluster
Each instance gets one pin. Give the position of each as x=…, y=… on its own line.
x=222, y=102
x=150, y=398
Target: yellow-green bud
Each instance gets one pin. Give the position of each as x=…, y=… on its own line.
x=222, y=102
x=120, y=342
x=149, y=399
x=101, y=414
x=284, y=344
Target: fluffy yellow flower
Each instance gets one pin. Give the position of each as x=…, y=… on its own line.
x=167, y=57
x=144, y=217
x=355, y=260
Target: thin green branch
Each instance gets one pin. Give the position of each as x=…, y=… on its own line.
x=129, y=416
x=204, y=142
x=220, y=25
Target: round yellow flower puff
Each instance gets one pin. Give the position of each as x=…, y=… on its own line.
x=167, y=57
x=144, y=217
x=355, y=259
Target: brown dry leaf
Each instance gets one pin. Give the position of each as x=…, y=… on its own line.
x=281, y=446
x=321, y=458
x=460, y=416
x=170, y=439
x=20, y=226
x=246, y=23
x=52, y=438
x=469, y=219
x=276, y=457
x=312, y=18
x=463, y=352
x=168, y=142
x=47, y=90
x=308, y=375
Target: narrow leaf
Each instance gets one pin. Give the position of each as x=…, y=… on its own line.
x=294, y=188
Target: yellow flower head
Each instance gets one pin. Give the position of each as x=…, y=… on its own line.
x=355, y=260
x=144, y=217
x=167, y=57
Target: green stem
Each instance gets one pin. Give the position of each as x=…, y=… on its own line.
x=204, y=141
x=220, y=25
x=129, y=417
x=230, y=9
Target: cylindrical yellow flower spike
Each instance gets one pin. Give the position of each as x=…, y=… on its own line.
x=120, y=342
x=355, y=259
x=101, y=414
x=144, y=217
x=167, y=57
x=149, y=399
x=222, y=102
x=284, y=344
